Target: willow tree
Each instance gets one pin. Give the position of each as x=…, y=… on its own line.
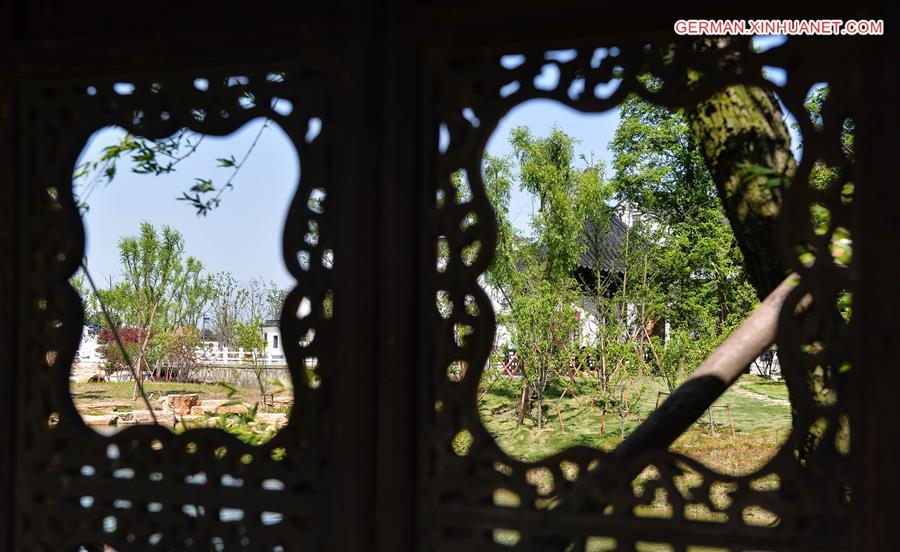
x=161, y=290
x=532, y=274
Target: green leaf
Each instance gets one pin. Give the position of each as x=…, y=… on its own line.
x=227, y=162
x=203, y=185
x=229, y=387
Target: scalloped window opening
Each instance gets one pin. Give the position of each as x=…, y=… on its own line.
x=185, y=281
x=615, y=274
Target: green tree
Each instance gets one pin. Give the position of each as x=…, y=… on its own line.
x=228, y=303
x=696, y=278
x=545, y=170
x=161, y=288
x=251, y=339
x=274, y=300
x=659, y=169
x=533, y=275
x=175, y=353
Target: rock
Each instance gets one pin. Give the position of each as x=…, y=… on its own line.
x=179, y=404
x=277, y=419
x=222, y=407
x=101, y=420
x=196, y=411
x=140, y=417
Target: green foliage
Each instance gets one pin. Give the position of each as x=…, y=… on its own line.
x=250, y=338
x=161, y=288
x=542, y=321
x=173, y=353
x=532, y=274
x=659, y=169
x=677, y=265
x=545, y=171
x=696, y=268
x=145, y=156
x=245, y=426
x=682, y=352
x=158, y=157
x=161, y=298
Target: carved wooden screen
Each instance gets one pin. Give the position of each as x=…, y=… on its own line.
x=139, y=490
x=592, y=504
x=146, y=488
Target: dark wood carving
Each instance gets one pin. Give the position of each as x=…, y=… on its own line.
x=145, y=487
x=597, y=507
x=368, y=463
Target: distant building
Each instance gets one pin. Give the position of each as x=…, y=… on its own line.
x=272, y=333
x=88, y=353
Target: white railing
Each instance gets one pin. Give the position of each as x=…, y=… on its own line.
x=222, y=356
x=219, y=356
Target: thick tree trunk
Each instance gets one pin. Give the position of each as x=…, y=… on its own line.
x=739, y=128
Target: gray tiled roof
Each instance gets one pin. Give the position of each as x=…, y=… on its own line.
x=603, y=244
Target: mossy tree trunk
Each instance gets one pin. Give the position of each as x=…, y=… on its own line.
x=747, y=147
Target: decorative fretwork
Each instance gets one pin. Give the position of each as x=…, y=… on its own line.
x=485, y=500
x=146, y=487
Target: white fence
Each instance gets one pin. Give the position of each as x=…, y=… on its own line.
x=238, y=366
x=209, y=356
x=214, y=364
x=223, y=356
x=242, y=375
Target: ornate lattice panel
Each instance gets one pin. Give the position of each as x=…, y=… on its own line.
x=145, y=487
x=594, y=502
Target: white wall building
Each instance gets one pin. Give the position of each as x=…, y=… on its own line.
x=272, y=334
x=88, y=353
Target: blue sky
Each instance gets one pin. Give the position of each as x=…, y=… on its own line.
x=243, y=235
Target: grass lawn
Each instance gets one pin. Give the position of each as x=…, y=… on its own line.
x=84, y=393
x=760, y=425
x=769, y=388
